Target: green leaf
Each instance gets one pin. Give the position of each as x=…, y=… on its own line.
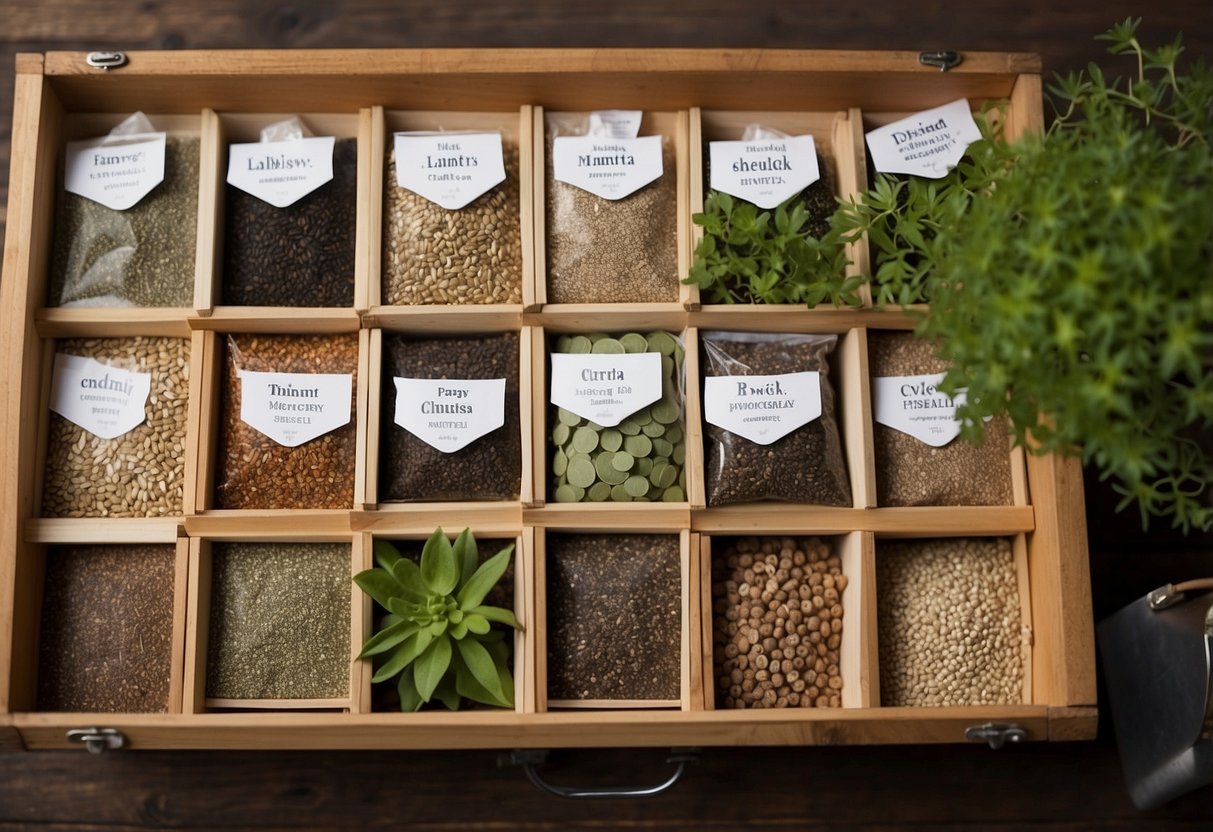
x=386, y=554
x=481, y=665
x=387, y=638
x=408, y=576
x=469, y=688
x=410, y=699
x=447, y=692
x=431, y=666
x=380, y=585
x=467, y=555
x=439, y=569
x=496, y=614
x=477, y=624
x=404, y=655
x=485, y=578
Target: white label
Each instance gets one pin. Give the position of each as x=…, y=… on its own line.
x=104, y=400
x=915, y=406
x=615, y=124
x=765, y=172
x=293, y=408
x=605, y=388
x=449, y=414
x=609, y=168
x=451, y=169
x=115, y=173
x=762, y=409
x=281, y=173
x=927, y=144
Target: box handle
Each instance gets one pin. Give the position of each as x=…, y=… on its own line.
x=532, y=759
x=97, y=740
x=944, y=59
x=995, y=735
x=106, y=60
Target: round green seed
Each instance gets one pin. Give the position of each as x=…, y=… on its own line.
x=620, y=494
x=608, y=346
x=636, y=486
x=629, y=427
x=634, y=342
x=673, y=494
x=585, y=440
x=579, y=345
x=668, y=476
x=623, y=461
x=666, y=411
x=599, y=492
x=560, y=462
x=638, y=445
x=658, y=469
x=611, y=440
x=644, y=466
x=560, y=434
x=680, y=454
x=567, y=417
x=581, y=472
x=565, y=494
x=661, y=342
x=673, y=433
x=663, y=446
x=652, y=429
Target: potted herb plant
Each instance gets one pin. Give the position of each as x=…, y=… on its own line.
x=1070, y=277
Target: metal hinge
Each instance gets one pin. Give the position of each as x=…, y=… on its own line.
x=97, y=740
x=995, y=734
x=944, y=59
x=106, y=60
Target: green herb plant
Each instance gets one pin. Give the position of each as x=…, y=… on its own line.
x=438, y=640
x=749, y=255
x=903, y=215
x=1075, y=292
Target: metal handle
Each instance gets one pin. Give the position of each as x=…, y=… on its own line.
x=97, y=740
x=995, y=734
x=531, y=759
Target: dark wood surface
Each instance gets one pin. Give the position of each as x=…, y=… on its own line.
x=1071, y=786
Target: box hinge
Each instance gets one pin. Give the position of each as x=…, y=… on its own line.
x=995, y=734
x=944, y=59
x=97, y=740
x=106, y=60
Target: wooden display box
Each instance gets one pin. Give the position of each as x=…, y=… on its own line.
x=689, y=95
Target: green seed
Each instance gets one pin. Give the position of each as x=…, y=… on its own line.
x=568, y=417
x=653, y=429
x=673, y=433
x=659, y=468
x=673, y=494
x=603, y=464
x=668, y=475
x=629, y=427
x=608, y=346
x=595, y=337
x=581, y=472
x=638, y=445
x=666, y=411
x=585, y=440
x=623, y=461
x=579, y=345
x=620, y=494
x=611, y=440
x=560, y=434
x=599, y=492
x=680, y=453
x=566, y=494
x=661, y=342
x=643, y=417
x=560, y=462
x=663, y=446
x=636, y=486
x=644, y=466
x=634, y=342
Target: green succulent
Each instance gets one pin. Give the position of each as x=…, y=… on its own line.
x=438, y=636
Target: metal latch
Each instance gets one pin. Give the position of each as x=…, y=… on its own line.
x=944, y=59
x=97, y=740
x=995, y=734
x=106, y=60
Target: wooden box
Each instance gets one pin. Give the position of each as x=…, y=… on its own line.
x=693, y=95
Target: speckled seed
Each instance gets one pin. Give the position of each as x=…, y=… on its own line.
x=805, y=466
x=473, y=255
x=910, y=472
x=143, y=256
x=490, y=468
x=298, y=255
x=609, y=251
x=949, y=622
x=142, y=472
x=614, y=616
x=280, y=621
x=254, y=471
x=754, y=582
x=107, y=628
